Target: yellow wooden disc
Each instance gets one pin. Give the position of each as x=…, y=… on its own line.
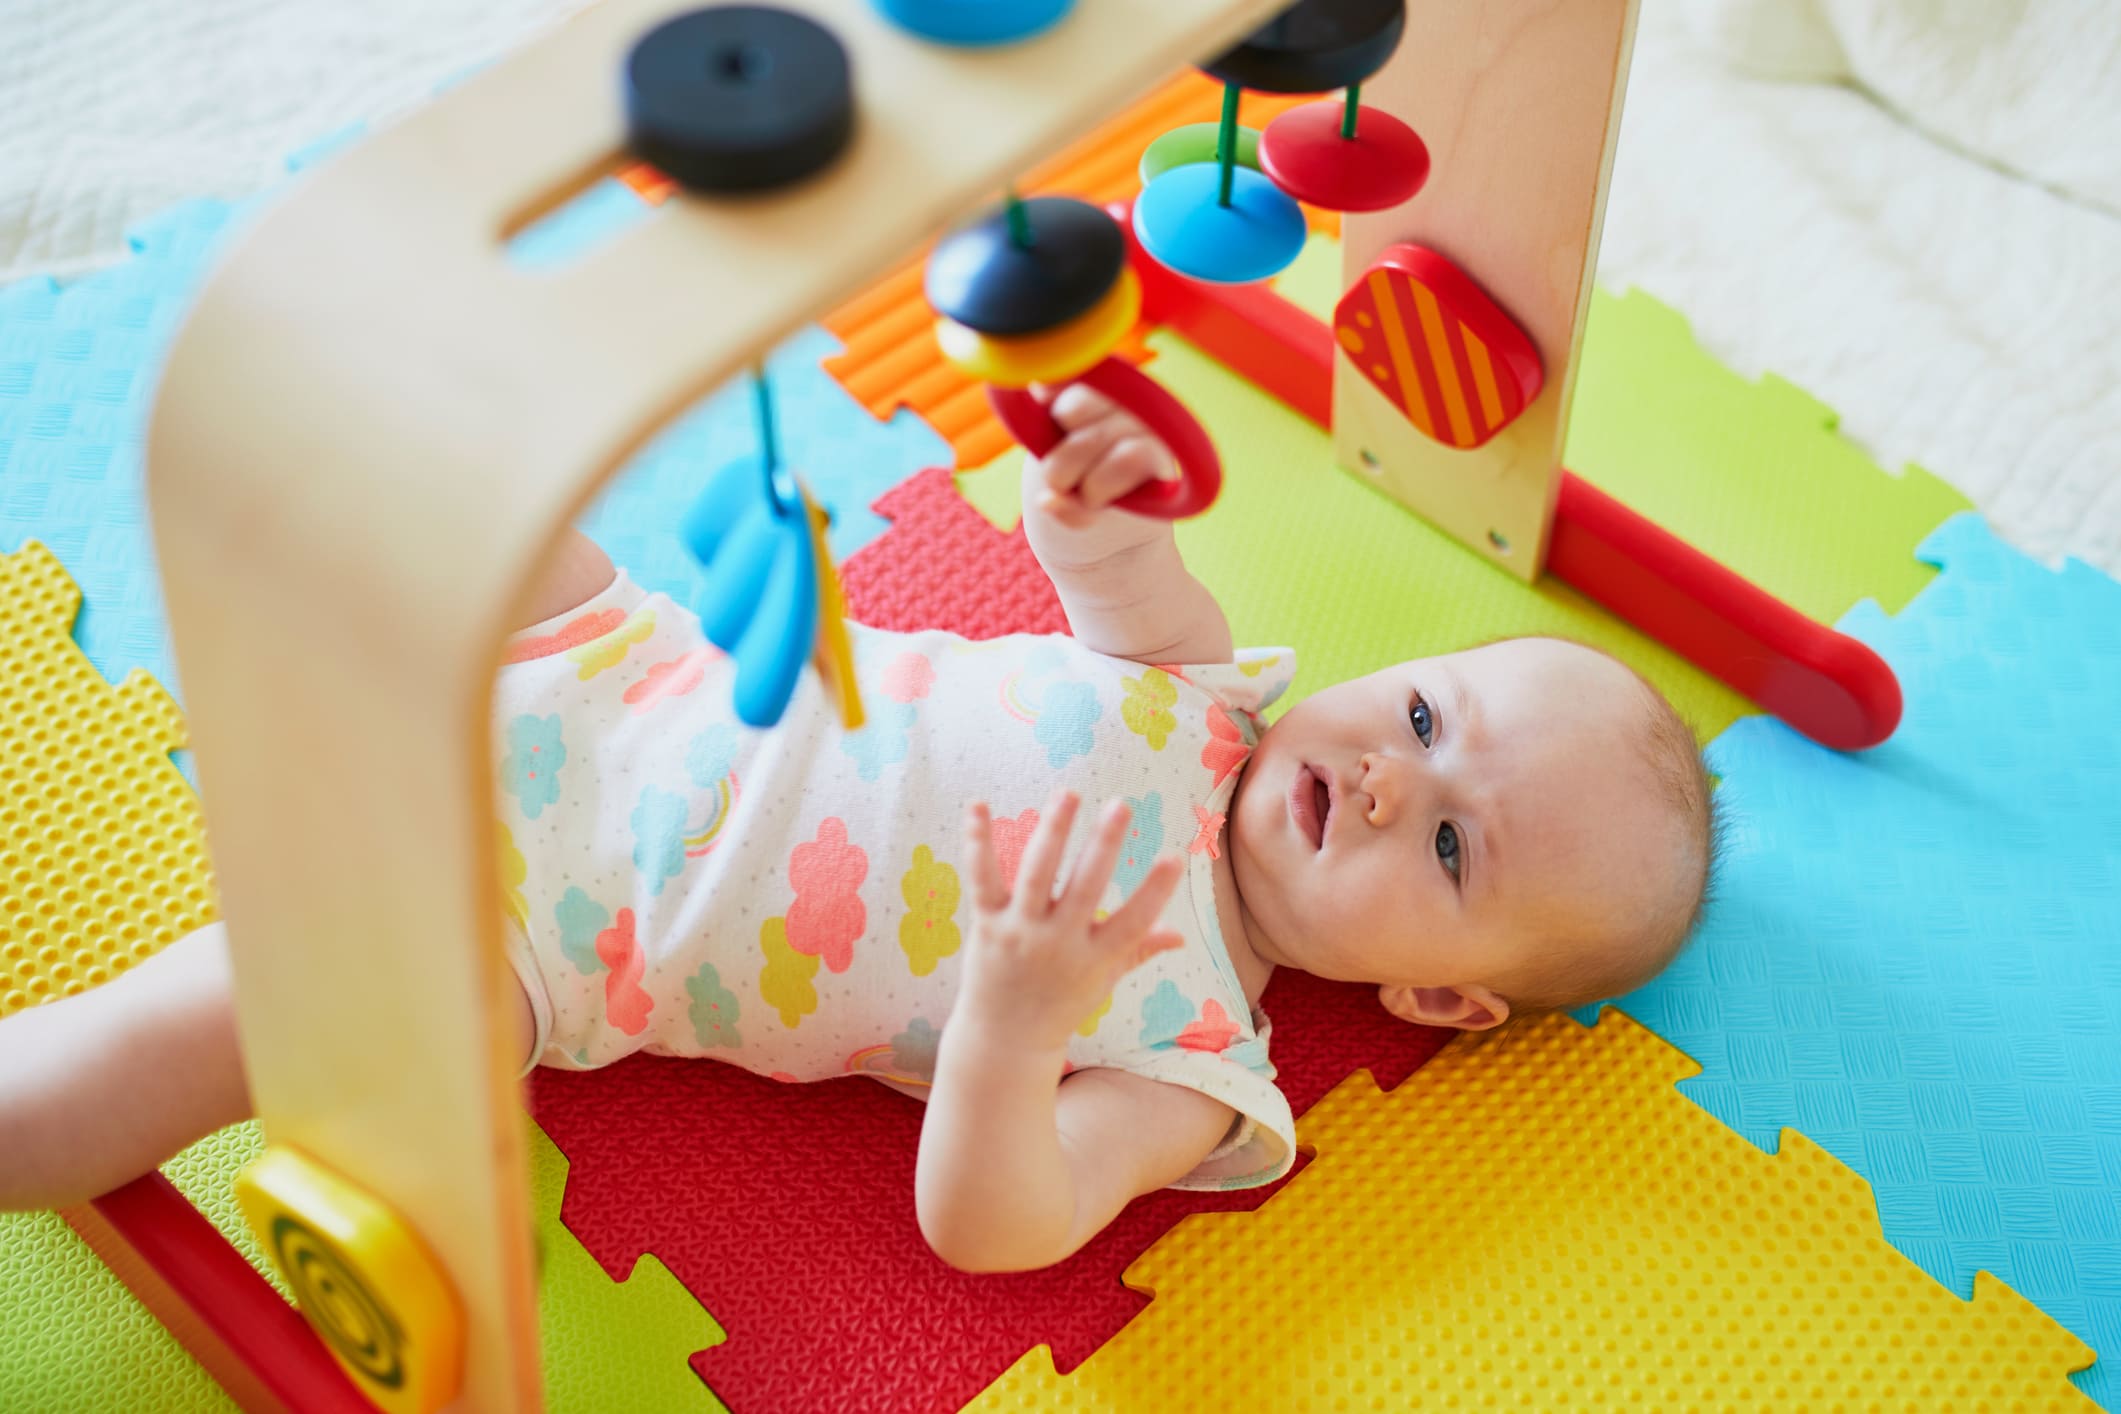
x=1058, y=354
x=833, y=653
x=367, y=1283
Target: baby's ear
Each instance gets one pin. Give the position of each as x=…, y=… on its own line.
x=1468, y=1008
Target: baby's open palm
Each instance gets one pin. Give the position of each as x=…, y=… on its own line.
x=1039, y=961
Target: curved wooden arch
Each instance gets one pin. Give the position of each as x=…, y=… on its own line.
x=368, y=433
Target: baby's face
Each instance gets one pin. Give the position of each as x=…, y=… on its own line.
x=1440, y=824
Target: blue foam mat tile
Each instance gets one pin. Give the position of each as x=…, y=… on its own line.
x=77, y=370
x=1915, y=953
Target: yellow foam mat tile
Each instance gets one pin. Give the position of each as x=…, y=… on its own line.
x=102, y=855
x=1537, y=1219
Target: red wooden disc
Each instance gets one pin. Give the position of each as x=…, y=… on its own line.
x=1382, y=165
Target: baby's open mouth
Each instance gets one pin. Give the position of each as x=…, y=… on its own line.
x=1311, y=805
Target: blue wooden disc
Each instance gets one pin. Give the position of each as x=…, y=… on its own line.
x=1181, y=223
x=975, y=22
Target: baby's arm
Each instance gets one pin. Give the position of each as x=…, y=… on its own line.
x=1120, y=578
x=1019, y=1168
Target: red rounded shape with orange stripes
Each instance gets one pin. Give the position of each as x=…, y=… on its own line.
x=1419, y=329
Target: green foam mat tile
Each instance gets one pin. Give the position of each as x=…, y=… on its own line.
x=74, y=1341
x=610, y=1345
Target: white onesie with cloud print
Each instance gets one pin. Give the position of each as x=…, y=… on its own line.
x=792, y=900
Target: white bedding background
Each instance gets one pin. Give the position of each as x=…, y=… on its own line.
x=1911, y=208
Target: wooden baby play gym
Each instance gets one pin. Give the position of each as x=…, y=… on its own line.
x=374, y=422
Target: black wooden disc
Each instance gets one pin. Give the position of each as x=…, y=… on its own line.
x=738, y=98
x=981, y=279
x=1315, y=46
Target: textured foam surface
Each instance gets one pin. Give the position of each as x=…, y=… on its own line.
x=76, y=375
x=1375, y=592
x=74, y=1341
x=1916, y=954
x=1650, y=1260
x=788, y=1209
x=944, y=565
x=610, y=1345
x=101, y=857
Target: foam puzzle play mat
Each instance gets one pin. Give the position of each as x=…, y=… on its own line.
x=1858, y=1147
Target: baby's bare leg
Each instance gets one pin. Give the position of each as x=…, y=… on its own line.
x=95, y=1090
x=98, y=1089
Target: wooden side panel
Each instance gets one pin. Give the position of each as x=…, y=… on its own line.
x=1519, y=103
x=369, y=431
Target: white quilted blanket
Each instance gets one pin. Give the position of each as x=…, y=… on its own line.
x=1908, y=207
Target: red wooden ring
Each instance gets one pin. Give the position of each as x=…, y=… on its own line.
x=1200, y=470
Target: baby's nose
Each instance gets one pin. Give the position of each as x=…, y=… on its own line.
x=1384, y=781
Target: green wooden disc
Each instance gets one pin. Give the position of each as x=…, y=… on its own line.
x=1195, y=142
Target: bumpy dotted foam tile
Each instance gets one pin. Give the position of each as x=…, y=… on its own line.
x=101, y=862
x=891, y=360
x=1915, y=957
x=1649, y=1259
x=788, y=1210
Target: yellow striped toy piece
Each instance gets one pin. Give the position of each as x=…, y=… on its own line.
x=833, y=653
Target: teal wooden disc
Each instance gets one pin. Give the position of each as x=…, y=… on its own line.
x=1181, y=223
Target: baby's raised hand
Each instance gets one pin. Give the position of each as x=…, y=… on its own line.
x=1107, y=453
x=1039, y=962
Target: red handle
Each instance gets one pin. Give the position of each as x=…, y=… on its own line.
x=1824, y=683
x=1200, y=470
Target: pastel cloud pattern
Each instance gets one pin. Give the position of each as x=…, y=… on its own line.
x=658, y=836
x=531, y=769
x=827, y=915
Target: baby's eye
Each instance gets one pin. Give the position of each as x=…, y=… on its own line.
x=1424, y=719
x=1447, y=848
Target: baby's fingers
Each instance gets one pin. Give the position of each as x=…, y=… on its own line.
x=1042, y=857
x=1163, y=940
x=1079, y=405
x=1130, y=462
x=989, y=893
x=1094, y=866
x=1132, y=920
x=1078, y=453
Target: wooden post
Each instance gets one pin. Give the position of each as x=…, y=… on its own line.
x=1519, y=103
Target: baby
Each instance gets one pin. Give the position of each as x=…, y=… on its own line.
x=1520, y=826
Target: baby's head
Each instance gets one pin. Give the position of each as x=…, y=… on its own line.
x=1515, y=827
